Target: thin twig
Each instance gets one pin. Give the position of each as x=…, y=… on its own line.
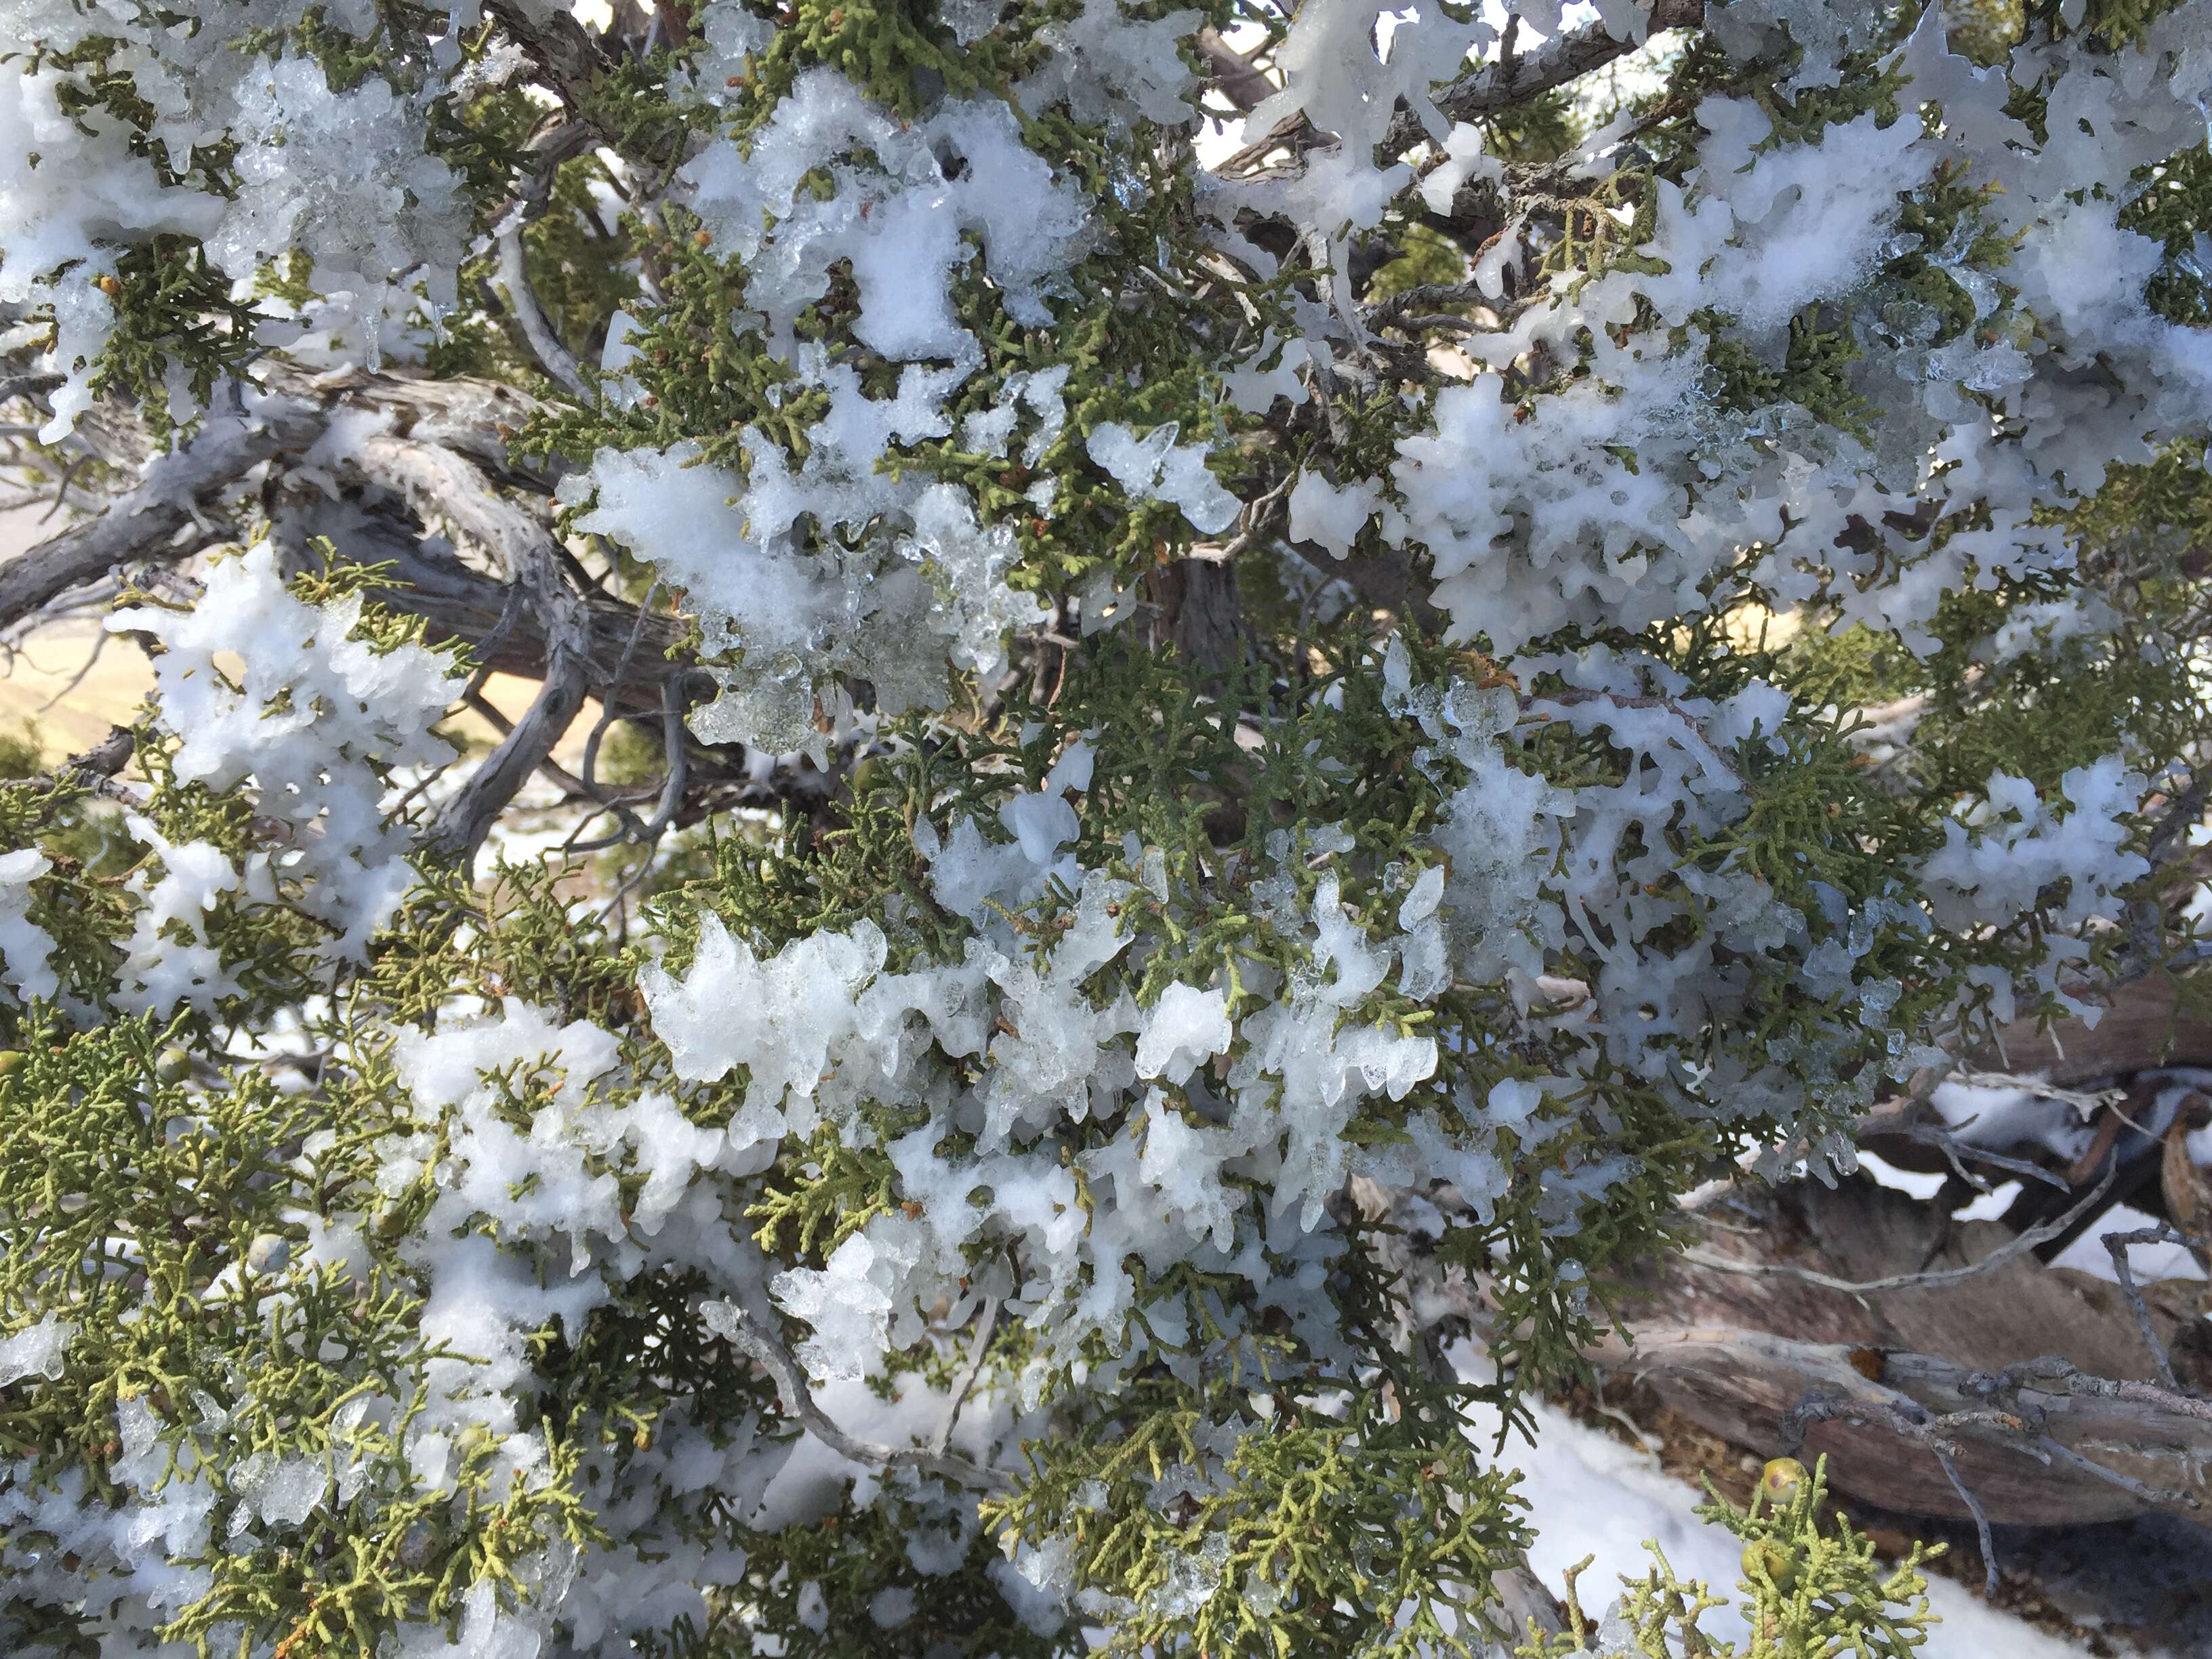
x=1909, y=1421
x=552, y=147
x=522, y=301
x=2084, y=1101
x=61, y=490
x=1981, y=1524
x=1515, y=81
x=1955, y=1150
x=29, y=385
x=2116, y=1245
x=2052, y=1373
x=986, y=1323
x=91, y=657
x=2009, y=1251
x=1259, y=515
x=2126, y=1483
x=730, y=1322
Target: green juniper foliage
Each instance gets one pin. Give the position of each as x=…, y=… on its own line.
x=1811, y=1588
x=1238, y=689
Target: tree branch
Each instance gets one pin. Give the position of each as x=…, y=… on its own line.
x=552, y=147
x=176, y=489
x=987, y=1324
x=730, y=1322
x=1908, y=1422
x=438, y=484
x=2002, y=1428
x=2011, y=1251
x=2116, y=1245
x=1514, y=82
x=563, y=54
x=1245, y=87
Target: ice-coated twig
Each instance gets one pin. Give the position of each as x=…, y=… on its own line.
x=730, y=1322
x=1259, y=517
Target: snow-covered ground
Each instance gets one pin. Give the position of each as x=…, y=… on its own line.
x=1591, y=1495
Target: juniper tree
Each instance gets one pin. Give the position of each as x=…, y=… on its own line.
x=1180, y=615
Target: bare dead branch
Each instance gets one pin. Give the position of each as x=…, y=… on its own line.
x=1961, y=1152
x=566, y=59
x=2020, y=1246
x=29, y=385
x=1232, y=71
x=2001, y=1428
x=1908, y=1422
x=522, y=303
x=178, y=489
x=2116, y=1245
x=440, y=485
x=551, y=148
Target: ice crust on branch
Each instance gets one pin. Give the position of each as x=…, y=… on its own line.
x=1063, y=1100
x=343, y=180
x=318, y=720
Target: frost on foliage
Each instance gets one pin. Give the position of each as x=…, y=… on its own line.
x=1331, y=514
x=1822, y=30
x=834, y=566
x=1996, y=862
x=793, y=617
x=26, y=948
x=1013, y=1038
x=36, y=1350
x=1611, y=498
x=264, y=689
x=728, y=36
x=820, y=1027
x=1156, y=467
x=1343, y=79
x=86, y=190
x=2007, y=854
x=551, y=1186
x=1110, y=69
x=342, y=177
x=1087, y=1079
x=898, y=225
x=170, y=959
